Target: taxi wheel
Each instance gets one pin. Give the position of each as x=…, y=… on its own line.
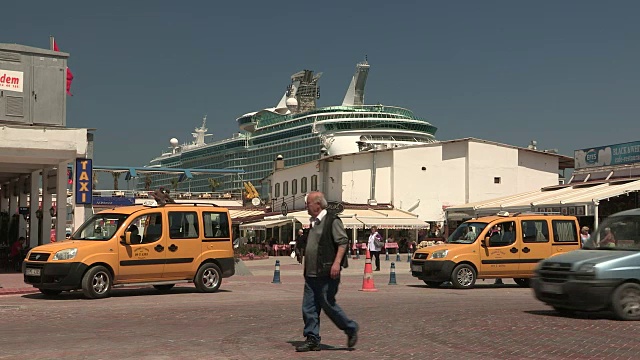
x=49, y=292
x=164, y=288
x=463, y=276
x=208, y=278
x=433, y=284
x=96, y=283
x=626, y=301
x=522, y=282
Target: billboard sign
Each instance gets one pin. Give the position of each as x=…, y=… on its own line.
x=11, y=80
x=619, y=154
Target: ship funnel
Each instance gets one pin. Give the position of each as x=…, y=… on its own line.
x=355, y=92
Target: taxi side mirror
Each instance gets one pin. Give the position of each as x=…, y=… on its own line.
x=126, y=238
x=485, y=241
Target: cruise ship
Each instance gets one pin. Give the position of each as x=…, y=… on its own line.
x=297, y=130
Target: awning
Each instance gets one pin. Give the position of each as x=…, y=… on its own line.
x=265, y=224
x=234, y=213
x=351, y=223
x=571, y=194
x=394, y=223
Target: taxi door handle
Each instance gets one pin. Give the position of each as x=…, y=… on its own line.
x=173, y=247
x=526, y=250
x=513, y=250
x=159, y=248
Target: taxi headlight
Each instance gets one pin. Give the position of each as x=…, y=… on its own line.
x=588, y=268
x=66, y=254
x=440, y=254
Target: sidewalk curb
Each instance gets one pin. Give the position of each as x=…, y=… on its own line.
x=18, y=291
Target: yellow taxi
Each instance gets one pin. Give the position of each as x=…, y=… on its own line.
x=501, y=246
x=137, y=245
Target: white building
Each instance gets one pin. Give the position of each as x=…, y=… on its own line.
x=423, y=179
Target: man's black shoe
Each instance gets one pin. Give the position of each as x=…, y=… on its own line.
x=308, y=346
x=352, y=340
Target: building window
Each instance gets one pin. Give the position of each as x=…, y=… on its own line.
x=497, y=180
x=303, y=185
x=277, y=193
x=314, y=183
x=285, y=188
x=294, y=186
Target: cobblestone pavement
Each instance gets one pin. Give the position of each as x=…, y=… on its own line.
x=251, y=318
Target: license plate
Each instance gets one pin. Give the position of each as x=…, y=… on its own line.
x=32, y=272
x=552, y=288
x=416, y=268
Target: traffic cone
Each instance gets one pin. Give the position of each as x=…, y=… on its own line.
x=398, y=255
x=386, y=255
x=367, y=281
x=392, y=275
x=276, y=273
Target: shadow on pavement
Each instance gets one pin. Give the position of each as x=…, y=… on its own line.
x=599, y=315
x=323, y=347
x=116, y=293
x=476, y=286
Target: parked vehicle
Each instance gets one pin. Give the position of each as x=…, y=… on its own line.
x=502, y=246
x=605, y=275
x=137, y=245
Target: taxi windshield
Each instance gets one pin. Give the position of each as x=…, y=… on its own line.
x=466, y=233
x=99, y=227
x=621, y=232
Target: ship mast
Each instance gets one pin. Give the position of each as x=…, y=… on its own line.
x=200, y=133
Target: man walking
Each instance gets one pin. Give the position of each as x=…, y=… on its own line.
x=324, y=257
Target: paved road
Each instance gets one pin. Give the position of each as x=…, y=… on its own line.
x=251, y=318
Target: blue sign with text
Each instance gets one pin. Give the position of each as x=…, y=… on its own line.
x=84, y=185
x=619, y=154
x=113, y=201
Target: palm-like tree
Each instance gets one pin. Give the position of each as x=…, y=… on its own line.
x=214, y=184
x=147, y=182
x=95, y=179
x=174, y=184
x=116, y=176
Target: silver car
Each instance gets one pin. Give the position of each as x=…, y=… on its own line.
x=604, y=275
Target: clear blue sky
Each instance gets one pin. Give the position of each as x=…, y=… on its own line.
x=565, y=73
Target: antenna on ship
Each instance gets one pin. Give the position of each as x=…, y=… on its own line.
x=200, y=133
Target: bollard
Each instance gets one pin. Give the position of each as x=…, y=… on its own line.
x=358, y=254
x=386, y=256
x=392, y=275
x=409, y=255
x=398, y=255
x=276, y=273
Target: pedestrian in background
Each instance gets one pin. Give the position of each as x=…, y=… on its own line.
x=324, y=258
x=17, y=253
x=585, y=236
x=375, y=245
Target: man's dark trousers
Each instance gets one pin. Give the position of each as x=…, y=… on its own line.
x=320, y=294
